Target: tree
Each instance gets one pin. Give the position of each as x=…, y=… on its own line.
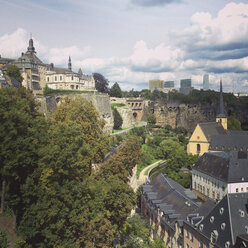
x=22, y=133
x=69, y=205
x=117, y=119
x=83, y=112
x=151, y=119
x=115, y=90
x=101, y=83
x=4, y=242
x=122, y=163
x=14, y=72
x=233, y=123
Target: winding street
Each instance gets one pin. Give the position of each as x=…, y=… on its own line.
x=142, y=176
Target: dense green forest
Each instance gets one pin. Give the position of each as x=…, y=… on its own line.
x=57, y=186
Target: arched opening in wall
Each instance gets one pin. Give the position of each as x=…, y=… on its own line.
x=135, y=115
x=72, y=87
x=76, y=87
x=198, y=149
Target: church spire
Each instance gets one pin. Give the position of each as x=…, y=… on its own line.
x=222, y=112
x=69, y=63
x=221, y=117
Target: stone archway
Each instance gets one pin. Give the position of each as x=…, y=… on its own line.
x=135, y=115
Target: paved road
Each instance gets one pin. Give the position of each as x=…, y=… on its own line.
x=142, y=176
x=140, y=124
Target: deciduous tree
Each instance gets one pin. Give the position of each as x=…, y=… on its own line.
x=14, y=72
x=101, y=83
x=115, y=90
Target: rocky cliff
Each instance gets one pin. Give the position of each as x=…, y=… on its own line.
x=176, y=113
x=48, y=104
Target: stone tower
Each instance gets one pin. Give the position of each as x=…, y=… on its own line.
x=221, y=117
x=31, y=48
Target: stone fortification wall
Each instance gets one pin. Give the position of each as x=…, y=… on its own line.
x=48, y=104
x=127, y=116
x=125, y=112
x=178, y=114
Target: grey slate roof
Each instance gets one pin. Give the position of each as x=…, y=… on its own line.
x=171, y=198
x=229, y=167
x=228, y=219
x=211, y=128
x=62, y=70
x=234, y=141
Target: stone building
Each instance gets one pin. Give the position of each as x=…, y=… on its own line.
x=200, y=140
x=225, y=226
x=32, y=69
x=66, y=79
x=218, y=173
x=167, y=204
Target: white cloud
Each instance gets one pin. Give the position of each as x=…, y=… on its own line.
x=11, y=45
x=227, y=31
x=213, y=44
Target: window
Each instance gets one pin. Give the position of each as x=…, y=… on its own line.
x=237, y=190
x=55, y=78
x=60, y=78
x=207, y=192
x=242, y=189
x=198, y=148
x=246, y=189
x=218, y=196
x=187, y=233
x=214, y=236
x=187, y=246
x=213, y=194
x=192, y=238
x=200, y=244
x=71, y=77
x=47, y=79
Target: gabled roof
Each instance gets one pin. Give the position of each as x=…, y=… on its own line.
x=171, y=198
x=211, y=128
x=228, y=219
x=230, y=167
x=233, y=141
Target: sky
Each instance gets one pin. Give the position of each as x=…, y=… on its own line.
x=133, y=41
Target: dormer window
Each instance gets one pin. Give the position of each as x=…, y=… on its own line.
x=221, y=211
x=241, y=213
x=214, y=236
x=227, y=244
x=223, y=226
x=211, y=219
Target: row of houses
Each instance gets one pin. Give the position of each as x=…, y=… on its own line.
x=215, y=212
x=180, y=220
x=36, y=74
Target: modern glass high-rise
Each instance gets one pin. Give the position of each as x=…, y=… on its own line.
x=169, y=84
x=185, y=83
x=206, y=82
